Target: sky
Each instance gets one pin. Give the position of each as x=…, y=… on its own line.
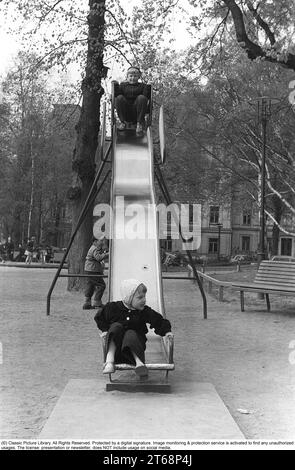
x=10, y=45
x=8, y=48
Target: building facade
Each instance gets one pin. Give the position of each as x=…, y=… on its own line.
x=228, y=229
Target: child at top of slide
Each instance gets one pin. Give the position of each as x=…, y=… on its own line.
x=132, y=100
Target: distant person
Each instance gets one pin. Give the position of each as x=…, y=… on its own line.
x=132, y=101
x=37, y=253
x=94, y=264
x=123, y=323
x=2, y=253
x=49, y=254
x=42, y=252
x=30, y=250
x=21, y=254
x=9, y=249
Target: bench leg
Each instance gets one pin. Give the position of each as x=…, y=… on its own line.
x=242, y=301
x=267, y=302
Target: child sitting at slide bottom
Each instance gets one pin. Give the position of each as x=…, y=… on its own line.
x=124, y=325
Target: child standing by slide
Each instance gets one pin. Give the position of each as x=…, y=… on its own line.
x=94, y=265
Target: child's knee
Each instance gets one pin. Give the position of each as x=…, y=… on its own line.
x=142, y=99
x=131, y=335
x=96, y=318
x=116, y=327
x=120, y=99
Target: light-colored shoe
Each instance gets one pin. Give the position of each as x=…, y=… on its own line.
x=108, y=368
x=139, y=130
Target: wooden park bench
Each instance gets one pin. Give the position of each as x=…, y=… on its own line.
x=211, y=282
x=272, y=277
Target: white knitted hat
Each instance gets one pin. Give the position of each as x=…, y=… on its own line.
x=128, y=289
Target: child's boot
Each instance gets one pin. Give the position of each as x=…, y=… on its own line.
x=87, y=304
x=139, y=130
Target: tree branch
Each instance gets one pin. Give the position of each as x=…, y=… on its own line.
x=42, y=18
x=252, y=49
x=170, y=7
x=223, y=22
x=282, y=229
x=272, y=217
x=60, y=46
x=279, y=195
x=111, y=44
x=124, y=35
x=261, y=22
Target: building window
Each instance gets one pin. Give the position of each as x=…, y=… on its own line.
x=286, y=246
x=167, y=244
x=214, y=215
x=269, y=243
x=245, y=243
x=191, y=218
x=246, y=218
x=213, y=246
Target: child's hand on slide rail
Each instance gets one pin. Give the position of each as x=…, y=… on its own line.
x=169, y=334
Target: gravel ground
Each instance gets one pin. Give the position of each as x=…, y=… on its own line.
x=246, y=356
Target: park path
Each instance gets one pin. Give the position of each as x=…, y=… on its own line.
x=244, y=355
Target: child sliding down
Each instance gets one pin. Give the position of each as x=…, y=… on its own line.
x=132, y=101
x=123, y=323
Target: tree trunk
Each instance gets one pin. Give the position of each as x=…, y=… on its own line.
x=278, y=212
x=57, y=217
x=275, y=240
x=39, y=226
x=83, y=164
x=32, y=196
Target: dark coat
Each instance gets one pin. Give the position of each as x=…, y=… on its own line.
x=132, y=319
x=9, y=247
x=94, y=258
x=30, y=246
x=132, y=90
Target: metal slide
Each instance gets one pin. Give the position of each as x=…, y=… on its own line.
x=134, y=249
x=134, y=243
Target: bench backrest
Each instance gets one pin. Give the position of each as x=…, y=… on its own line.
x=276, y=273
